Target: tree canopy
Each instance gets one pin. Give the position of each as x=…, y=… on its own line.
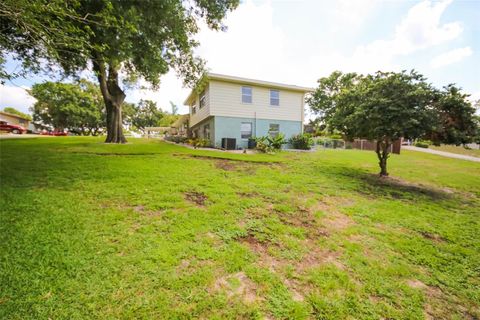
x=387, y=106
x=78, y=107
x=146, y=114
x=118, y=39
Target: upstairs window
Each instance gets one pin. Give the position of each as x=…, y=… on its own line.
x=246, y=94
x=274, y=97
x=194, y=109
x=202, y=99
x=274, y=130
x=246, y=130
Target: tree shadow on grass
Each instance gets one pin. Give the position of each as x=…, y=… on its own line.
x=372, y=185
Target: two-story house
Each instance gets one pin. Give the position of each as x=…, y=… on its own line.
x=224, y=106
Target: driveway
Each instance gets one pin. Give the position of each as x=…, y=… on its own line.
x=22, y=136
x=442, y=153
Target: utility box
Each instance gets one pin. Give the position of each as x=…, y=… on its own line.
x=252, y=143
x=229, y=143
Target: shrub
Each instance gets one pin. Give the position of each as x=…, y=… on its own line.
x=262, y=145
x=421, y=144
x=336, y=136
x=176, y=139
x=268, y=144
x=302, y=141
x=199, y=142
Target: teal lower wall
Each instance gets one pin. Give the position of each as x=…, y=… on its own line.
x=229, y=127
x=199, y=131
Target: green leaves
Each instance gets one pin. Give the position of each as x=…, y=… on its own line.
x=146, y=114
x=78, y=106
x=387, y=106
x=146, y=38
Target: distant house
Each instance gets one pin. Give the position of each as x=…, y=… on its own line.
x=224, y=106
x=15, y=119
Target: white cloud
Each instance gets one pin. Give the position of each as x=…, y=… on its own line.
x=450, y=57
x=419, y=29
x=422, y=29
x=16, y=97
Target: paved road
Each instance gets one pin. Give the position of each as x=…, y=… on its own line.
x=442, y=153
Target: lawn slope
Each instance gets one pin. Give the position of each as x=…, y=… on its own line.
x=153, y=230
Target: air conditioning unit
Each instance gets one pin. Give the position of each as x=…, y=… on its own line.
x=229, y=143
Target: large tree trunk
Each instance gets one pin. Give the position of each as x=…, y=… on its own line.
x=115, y=124
x=113, y=96
x=382, y=154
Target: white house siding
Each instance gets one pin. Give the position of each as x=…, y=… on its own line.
x=204, y=111
x=226, y=100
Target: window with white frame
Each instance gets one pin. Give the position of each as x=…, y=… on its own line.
x=246, y=94
x=203, y=99
x=274, y=97
x=246, y=130
x=274, y=130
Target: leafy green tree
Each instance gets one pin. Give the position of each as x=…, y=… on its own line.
x=146, y=114
x=17, y=112
x=119, y=39
x=387, y=106
x=456, y=122
x=78, y=107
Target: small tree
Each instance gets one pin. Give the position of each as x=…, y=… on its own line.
x=388, y=106
x=78, y=106
x=146, y=114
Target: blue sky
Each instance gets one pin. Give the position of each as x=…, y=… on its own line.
x=297, y=42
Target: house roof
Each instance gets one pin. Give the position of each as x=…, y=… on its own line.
x=14, y=115
x=261, y=83
x=182, y=119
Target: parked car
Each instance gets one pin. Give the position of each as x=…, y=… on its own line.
x=53, y=133
x=13, y=128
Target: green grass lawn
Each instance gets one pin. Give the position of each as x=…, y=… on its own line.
x=152, y=230
x=457, y=149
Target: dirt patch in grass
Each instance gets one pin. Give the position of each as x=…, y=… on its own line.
x=313, y=257
x=432, y=236
x=197, y=156
x=228, y=165
x=139, y=208
x=337, y=222
x=239, y=285
x=316, y=257
x=333, y=221
x=198, y=198
x=295, y=289
x=441, y=306
x=251, y=194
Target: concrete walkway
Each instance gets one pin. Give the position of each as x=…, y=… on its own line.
x=442, y=153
